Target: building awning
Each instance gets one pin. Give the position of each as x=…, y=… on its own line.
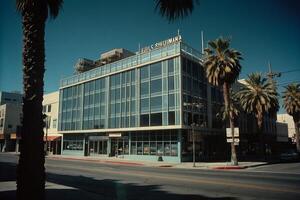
x=52, y=138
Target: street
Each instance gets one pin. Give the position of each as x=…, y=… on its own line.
x=90, y=180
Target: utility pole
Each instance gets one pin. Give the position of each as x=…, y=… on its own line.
x=271, y=74
x=202, y=42
x=193, y=132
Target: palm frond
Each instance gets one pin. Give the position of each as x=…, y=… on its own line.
x=221, y=63
x=175, y=9
x=258, y=96
x=291, y=100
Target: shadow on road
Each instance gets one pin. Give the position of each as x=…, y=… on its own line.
x=81, y=187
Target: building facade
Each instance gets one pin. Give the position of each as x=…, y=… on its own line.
x=138, y=107
x=51, y=136
x=286, y=118
x=10, y=121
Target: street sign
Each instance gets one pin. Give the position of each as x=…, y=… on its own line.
x=236, y=140
x=236, y=132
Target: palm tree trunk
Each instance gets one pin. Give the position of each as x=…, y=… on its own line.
x=297, y=134
x=30, y=169
x=231, y=122
x=262, y=135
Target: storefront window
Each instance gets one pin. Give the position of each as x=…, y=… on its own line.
x=152, y=148
x=146, y=148
x=174, y=149
x=167, y=148
x=160, y=148
x=139, y=148
x=133, y=148
x=154, y=143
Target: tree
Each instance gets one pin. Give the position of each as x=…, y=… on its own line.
x=30, y=169
x=174, y=9
x=291, y=103
x=258, y=96
x=222, y=66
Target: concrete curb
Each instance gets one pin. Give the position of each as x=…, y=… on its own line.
x=97, y=161
x=229, y=167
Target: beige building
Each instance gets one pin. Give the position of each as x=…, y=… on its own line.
x=50, y=109
x=10, y=119
x=286, y=118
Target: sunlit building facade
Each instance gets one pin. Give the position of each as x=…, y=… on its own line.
x=138, y=107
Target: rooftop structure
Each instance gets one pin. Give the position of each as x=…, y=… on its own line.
x=84, y=64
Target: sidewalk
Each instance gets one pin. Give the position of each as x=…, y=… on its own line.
x=184, y=165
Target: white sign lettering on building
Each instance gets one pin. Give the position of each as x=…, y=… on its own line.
x=161, y=44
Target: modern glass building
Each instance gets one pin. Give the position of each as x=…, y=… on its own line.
x=140, y=107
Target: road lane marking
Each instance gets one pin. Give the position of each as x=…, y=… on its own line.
x=187, y=179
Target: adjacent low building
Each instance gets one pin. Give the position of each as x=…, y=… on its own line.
x=286, y=118
x=10, y=119
x=140, y=106
x=51, y=136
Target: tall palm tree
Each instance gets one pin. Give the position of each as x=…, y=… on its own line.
x=258, y=96
x=31, y=170
x=175, y=9
x=291, y=103
x=222, y=66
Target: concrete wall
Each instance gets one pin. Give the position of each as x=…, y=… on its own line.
x=10, y=118
x=286, y=118
x=53, y=100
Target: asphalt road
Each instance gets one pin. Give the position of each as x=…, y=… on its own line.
x=88, y=180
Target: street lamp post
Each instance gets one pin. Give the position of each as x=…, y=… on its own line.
x=193, y=128
x=194, y=151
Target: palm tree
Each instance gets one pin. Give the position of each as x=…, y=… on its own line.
x=31, y=170
x=175, y=9
x=258, y=96
x=222, y=66
x=291, y=97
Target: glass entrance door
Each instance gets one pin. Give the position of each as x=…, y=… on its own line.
x=97, y=147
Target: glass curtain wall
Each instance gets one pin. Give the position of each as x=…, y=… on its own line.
x=83, y=106
x=94, y=104
x=71, y=108
x=122, y=100
x=159, y=93
x=194, y=84
x=122, y=112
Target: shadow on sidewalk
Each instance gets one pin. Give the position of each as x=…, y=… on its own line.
x=81, y=187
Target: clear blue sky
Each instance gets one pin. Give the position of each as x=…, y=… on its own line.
x=261, y=29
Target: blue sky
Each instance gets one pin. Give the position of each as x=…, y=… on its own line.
x=263, y=30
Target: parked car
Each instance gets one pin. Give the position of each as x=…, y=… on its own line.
x=289, y=155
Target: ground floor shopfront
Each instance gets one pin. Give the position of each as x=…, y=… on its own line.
x=169, y=145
